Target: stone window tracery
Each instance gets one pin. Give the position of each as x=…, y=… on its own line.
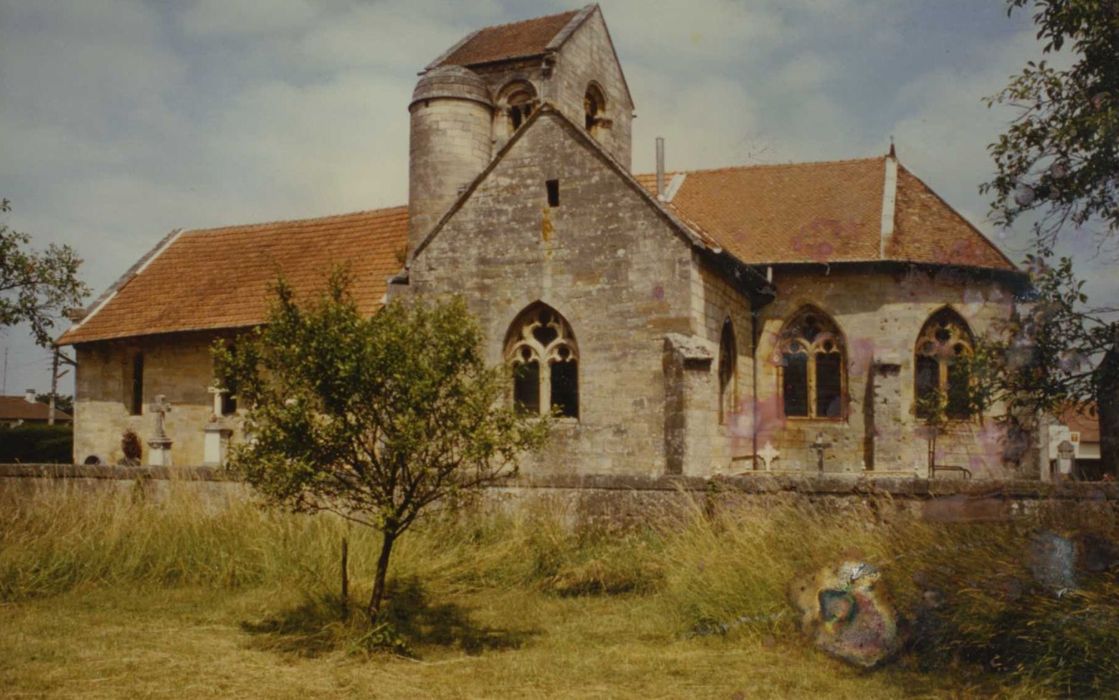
x=811, y=355
x=728, y=361
x=541, y=349
x=944, y=343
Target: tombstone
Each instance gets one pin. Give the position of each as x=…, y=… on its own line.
x=818, y=446
x=159, y=454
x=767, y=455
x=1066, y=461
x=215, y=443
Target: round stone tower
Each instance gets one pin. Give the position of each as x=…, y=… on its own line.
x=452, y=117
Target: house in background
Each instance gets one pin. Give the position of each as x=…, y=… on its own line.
x=776, y=317
x=26, y=409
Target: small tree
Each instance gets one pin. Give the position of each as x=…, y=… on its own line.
x=373, y=419
x=1059, y=157
x=36, y=288
x=1050, y=356
x=932, y=410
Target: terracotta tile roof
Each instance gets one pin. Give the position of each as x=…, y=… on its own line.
x=222, y=277
x=506, y=41
x=1084, y=420
x=826, y=212
x=13, y=408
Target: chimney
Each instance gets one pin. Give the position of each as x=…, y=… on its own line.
x=29, y=396
x=660, y=167
x=889, y=201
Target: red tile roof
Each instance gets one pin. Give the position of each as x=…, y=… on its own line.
x=222, y=277
x=16, y=408
x=1084, y=420
x=507, y=41
x=826, y=212
x=806, y=212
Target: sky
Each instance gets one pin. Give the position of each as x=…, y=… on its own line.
x=123, y=119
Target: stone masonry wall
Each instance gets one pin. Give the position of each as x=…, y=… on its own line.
x=879, y=314
x=177, y=366
x=604, y=259
x=729, y=442
x=449, y=146
x=588, y=57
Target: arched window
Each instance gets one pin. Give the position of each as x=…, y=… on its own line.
x=728, y=361
x=810, y=352
x=594, y=108
x=541, y=348
x=944, y=343
x=516, y=102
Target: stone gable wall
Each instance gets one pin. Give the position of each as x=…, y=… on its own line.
x=880, y=315
x=604, y=259
x=588, y=56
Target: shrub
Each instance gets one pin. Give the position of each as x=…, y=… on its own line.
x=34, y=443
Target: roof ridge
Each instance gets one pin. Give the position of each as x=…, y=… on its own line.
x=728, y=168
x=400, y=208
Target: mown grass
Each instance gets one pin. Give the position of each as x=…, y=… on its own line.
x=485, y=602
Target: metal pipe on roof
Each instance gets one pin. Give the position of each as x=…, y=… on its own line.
x=660, y=167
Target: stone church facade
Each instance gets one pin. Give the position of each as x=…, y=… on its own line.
x=778, y=317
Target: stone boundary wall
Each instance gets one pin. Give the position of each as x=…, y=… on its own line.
x=612, y=500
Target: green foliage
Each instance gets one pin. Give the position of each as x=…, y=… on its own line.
x=30, y=443
x=374, y=419
x=1060, y=155
x=36, y=288
x=1046, y=357
x=62, y=402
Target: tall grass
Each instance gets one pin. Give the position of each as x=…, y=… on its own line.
x=967, y=590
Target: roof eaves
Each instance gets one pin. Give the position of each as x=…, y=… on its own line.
x=961, y=217
x=107, y=296
x=446, y=54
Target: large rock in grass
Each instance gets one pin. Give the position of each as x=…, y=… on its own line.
x=847, y=613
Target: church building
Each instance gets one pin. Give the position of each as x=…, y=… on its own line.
x=755, y=318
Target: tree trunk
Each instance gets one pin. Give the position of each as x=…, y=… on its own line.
x=388, y=537
x=1107, y=406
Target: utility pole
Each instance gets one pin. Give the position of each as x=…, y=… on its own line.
x=4, y=381
x=54, y=386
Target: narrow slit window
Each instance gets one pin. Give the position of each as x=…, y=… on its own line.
x=136, y=397
x=565, y=388
x=552, y=186
x=829, y=386
x=526, y=386
x=795, y=390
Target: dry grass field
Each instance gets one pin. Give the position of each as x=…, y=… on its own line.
x=115, y=596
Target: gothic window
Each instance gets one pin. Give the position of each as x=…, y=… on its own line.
x=728, y=360
x=940, y=364
x=517, y=102
x=810, y=353
x=541, y=349
x=594, y=108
